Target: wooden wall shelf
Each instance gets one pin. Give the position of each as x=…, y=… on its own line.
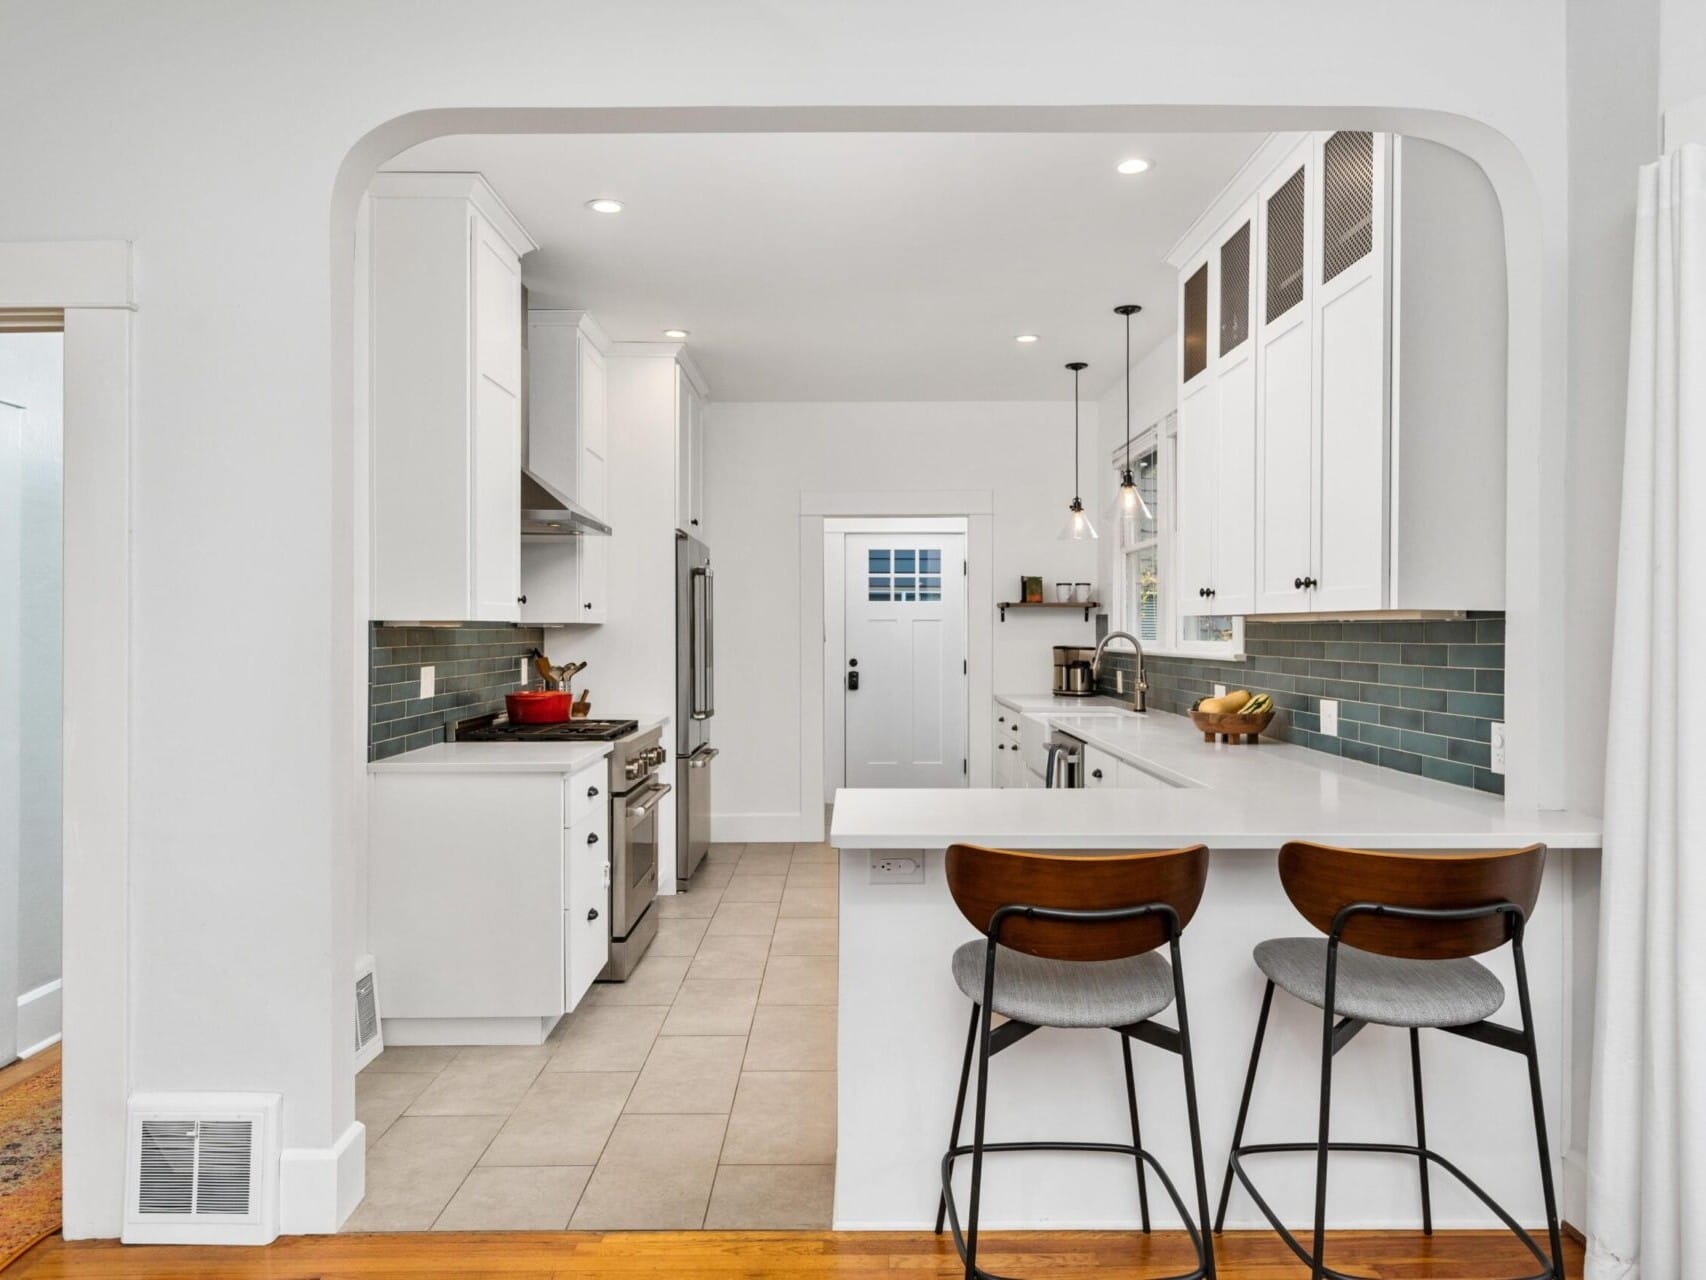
x=1085, y=605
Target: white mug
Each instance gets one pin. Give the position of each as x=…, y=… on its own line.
x=1063, y=592
x=1081, y=592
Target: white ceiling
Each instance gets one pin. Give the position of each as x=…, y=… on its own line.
x=860, y=266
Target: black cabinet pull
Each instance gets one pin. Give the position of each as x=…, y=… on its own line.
x=521, y=599
x=694, y=523
x=592, y=914
x=587, y=605
x=592, y=837
x=591, y=791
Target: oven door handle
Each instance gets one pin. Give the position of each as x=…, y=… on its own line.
x=648, y=800
x=699, y=759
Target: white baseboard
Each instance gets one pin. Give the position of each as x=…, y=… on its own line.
x=759, y=828
x=38, y=1018
x=319, y=1187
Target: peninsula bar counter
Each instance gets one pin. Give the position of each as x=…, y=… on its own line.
x=902, y=1020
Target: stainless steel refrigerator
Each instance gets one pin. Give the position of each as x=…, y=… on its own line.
x=695, y=702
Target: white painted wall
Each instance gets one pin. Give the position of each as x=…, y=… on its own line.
x=30, y=366
x=238, y=190
x=761, y=457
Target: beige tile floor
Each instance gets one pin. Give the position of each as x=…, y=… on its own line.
x=700, y=1093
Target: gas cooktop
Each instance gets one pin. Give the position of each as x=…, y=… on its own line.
x=495, y=728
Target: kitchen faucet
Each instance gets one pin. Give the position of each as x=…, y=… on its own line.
x=1139, y=694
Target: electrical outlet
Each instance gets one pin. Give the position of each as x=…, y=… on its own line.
x=1497, y=765
x=1330, y=717
x=894, y=867
x=1119, y=679
x=429, y=681
x=525, y=672
x=1220, y=691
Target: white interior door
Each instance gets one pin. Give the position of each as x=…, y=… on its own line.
x=904, y=681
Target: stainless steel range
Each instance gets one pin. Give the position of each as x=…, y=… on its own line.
x=635, y=789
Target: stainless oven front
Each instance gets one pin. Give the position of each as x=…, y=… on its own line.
x=634, y=857
x=1064, y=766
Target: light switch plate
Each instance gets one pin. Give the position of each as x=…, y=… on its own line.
x=1220, y=691
x=525, y=670
x=429, y=681
x=1497, y=764
x=1330, y=717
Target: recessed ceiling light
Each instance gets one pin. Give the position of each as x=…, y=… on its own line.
x=604, y=204
x=675, y=333
x=1026, y=337
x=1135, y=165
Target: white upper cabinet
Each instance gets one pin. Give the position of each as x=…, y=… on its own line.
x=565, y=580
x=689, y=455
x=1342, y=384
x=445, y=384
x=1216, y=492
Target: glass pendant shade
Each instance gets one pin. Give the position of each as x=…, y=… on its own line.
x=1078, y=527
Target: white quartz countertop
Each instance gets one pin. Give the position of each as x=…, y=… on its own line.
x=495, y=757
x=1226, y=796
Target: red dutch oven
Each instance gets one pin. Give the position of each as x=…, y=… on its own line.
x=537, y=706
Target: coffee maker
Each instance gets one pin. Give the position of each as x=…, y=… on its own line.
x=1072, y=678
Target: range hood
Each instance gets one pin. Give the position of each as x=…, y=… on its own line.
x=545, y=513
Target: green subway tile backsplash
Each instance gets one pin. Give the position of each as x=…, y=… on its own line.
x=1419, y=697
x=473, y=667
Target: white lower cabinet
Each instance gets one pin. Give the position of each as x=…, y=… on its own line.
x=481, y=893
x=586, y=904
x=1100, y=769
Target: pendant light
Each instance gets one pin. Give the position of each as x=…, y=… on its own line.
x=1078, y=527
x=1131, y=500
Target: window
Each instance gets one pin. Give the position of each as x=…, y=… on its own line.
x=905, y=576
x=1143, y=603
x=1140, y=545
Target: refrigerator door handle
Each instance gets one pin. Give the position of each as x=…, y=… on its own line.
x=700, y=637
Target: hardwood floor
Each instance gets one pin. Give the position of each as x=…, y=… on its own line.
x=21, y=1070
x=823, y=1255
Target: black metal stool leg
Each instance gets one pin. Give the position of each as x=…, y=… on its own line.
x=959, y=1111
x=1532, y=1053
x=977, y=1123
x=1318, y=1268
x=1421, y=1129
x=1244, y=1106
x=1136, y=1134
x=1205, y=1238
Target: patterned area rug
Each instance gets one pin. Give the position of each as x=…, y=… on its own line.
x=29, y=1163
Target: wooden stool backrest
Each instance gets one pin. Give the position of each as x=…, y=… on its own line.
x=1323, y=879
x=984, y=880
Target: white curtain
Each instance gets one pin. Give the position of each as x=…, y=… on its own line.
x=1647, y=1136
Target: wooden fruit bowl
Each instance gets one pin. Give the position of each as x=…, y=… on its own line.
x=1231, y=726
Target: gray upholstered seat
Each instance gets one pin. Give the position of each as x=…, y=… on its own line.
x=1068, y=993
x=1383, y=989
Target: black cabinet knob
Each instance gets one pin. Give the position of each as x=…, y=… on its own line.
x=694, y=523
x=592, y=837
x=1298, y=583
x=521, y=599
x=591, y=791
x=587, y=605
x=592, y=914
x=1095, y=773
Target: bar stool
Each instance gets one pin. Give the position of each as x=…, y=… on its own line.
x=1070, y=941
x=1401, y=930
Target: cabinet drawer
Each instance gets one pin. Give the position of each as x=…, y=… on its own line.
x=586, y=847
x=584, y=794
x=1100, y=768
